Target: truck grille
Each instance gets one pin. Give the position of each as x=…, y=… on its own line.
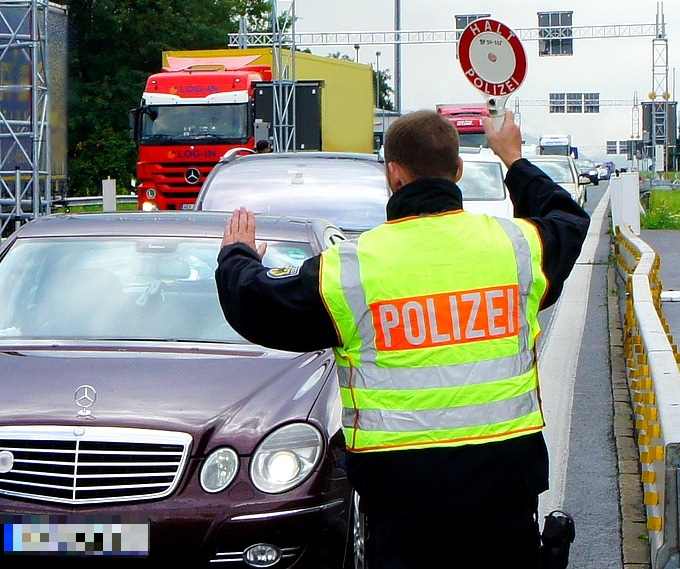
x=171, y=177
x=88, y=465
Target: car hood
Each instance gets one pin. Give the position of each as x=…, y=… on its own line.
x=243, y=393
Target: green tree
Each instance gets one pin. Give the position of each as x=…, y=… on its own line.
x=385, y=91
x=113, y=46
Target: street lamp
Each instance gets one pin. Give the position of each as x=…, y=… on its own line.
x=377, y=79
x=356, y=47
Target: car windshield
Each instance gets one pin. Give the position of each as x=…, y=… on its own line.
x=137, y=289
x=584, y=164
x=349, y=193
x=560, y=172
x=482, y=181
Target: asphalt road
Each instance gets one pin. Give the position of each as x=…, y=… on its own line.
x=577, y=395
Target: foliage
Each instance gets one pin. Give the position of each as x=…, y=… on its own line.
x=113, y=46
x=663, y=211
x=385, y=101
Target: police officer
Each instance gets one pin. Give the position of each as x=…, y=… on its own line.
x=433, y=317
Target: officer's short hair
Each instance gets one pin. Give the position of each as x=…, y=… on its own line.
x=425, y=142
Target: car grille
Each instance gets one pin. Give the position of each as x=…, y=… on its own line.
x=86, y=465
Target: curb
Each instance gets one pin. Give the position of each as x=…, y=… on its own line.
x=635, y=550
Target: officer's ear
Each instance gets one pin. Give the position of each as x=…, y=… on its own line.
x=459, y=173
x=397, y=176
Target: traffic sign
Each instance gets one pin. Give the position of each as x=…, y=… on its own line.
x=493, y=60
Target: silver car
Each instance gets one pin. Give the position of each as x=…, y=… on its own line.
x=563, y=171
x=348, y=189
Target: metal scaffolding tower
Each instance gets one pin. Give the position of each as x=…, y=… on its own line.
x=283, y=46
x=659, y=127
x=26, y=164
x=283, y=80
x=635, y=118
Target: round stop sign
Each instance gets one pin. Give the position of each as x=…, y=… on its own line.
x=492, y=57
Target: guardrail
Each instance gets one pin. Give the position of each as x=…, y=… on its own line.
x=654, y=384
x=92, y=200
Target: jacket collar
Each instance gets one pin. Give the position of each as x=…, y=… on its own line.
x=424, y=196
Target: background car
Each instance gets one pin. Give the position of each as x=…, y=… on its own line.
x=483, y=183
x=564, y=172
x=588, y=168
x=605, y=170
x=132, y=408
x=350, y=190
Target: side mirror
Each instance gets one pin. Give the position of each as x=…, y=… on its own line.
x=584, y=180
x=134, y=124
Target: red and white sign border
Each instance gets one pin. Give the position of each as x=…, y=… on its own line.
x=487, y=25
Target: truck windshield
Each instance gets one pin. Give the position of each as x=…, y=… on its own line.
x=555, y=150
x=474, y=139
x=182, y=122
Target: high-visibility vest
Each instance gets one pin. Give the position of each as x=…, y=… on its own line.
x=438, y=317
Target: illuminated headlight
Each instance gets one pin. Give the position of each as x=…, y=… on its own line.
x=286, y=458
x=219, y=470
x=149, y=206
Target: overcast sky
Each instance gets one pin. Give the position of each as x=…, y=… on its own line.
x=618, y=68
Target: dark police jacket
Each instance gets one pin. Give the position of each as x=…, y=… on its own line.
x=289, y=314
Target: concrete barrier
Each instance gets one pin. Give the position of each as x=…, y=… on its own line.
x=654, y=386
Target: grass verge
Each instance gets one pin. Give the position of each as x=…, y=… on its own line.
x=662, y=211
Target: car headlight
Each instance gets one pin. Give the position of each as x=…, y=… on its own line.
x=219, y=469
x=286, y=458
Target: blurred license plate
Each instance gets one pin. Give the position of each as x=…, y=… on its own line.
x=74, y=535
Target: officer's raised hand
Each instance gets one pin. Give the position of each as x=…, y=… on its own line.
x=506, y=142
x=241, y=229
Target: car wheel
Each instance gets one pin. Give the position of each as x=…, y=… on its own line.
x=355, y=555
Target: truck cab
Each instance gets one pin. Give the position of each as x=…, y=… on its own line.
x=467, y=118
x=187, y=119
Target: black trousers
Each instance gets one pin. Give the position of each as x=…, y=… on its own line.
x=506, y=537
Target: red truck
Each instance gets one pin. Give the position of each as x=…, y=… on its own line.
x=467, y=118
x=205, y=103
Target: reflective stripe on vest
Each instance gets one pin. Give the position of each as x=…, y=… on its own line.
x=451, y=404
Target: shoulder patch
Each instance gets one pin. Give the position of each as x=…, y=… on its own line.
x=283, y=272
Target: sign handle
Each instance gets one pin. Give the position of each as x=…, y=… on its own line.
x=496, y=107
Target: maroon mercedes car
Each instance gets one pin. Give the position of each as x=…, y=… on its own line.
x=136, y=423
